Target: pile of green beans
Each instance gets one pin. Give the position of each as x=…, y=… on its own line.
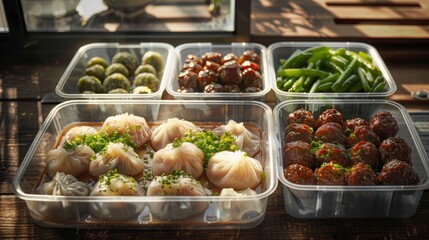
x=323, y=69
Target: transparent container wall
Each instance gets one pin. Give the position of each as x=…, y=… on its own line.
x=128, y=15
x=3, y=21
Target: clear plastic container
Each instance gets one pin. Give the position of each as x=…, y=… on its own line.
x=67, y=85
x=381, y=201
x=283, y=50
x=230, y=211
x=201, y=48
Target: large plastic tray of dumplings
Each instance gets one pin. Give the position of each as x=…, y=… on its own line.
x=67, y=86
x=61, y=192
x=357, y=201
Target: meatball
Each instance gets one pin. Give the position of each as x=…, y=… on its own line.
x=252, y=89
x=89, y=83
x=329, y=152
x=351, y=124
x=117, y=68
x=395, y=148
x=188, y=79
x=229, y=57
x=142, y=90
x=97, y=60
x=230, y=72
x=251, y=78
x=193, y=58
x=361, y=174
x=145, y=68
x=330, y=132
x=127, y=59
x=192, y=66
x=329, y=115
x=384, y=125
x=116, y=80
x=300, y=174
x=147, y=79
x=205, y=77
x=214, y=88
x=212, y=66
x=211, y=56
x=298, y=132
x=186, y=90
x=97, y=71
x=365, y=152
x=330, y=174
x=252, y=65
x=298, y=152
x=301, y=116
x=118, y=91
x=249, y=55
x=362, y=133
x=155, y=59
x=398, y=172
x=231, y=88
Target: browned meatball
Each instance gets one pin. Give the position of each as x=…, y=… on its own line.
x=229, y=57
x=384, y=125
x=187, y=79
x=298, y=152
x=212, y=66
x=230, y=72
x=365, y=152
x=211, y=56
x=186, y=90
x=298, y=132
x=192, y=66
x=252, y=65
x=300, y=174
x=193, y=58
x=398, y=172
x=231, y=88
x=329, y=115
x=214, y=88
x=329, y=152
x=362, y=133
x=249, y=55
x=205, y=77
x=395, y=148
x=251, y=78
x=361, y=174
x=301, y=116
x=330, y=132
x=351, y=124
x=252, y=89
x=330, y=174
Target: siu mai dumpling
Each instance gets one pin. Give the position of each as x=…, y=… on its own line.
x=119, y=156
x=135, y=126
x=187, y=157
x=234, y=170
x=170, y=130
x=246, y=140
x=176, y=184
x=74, y=161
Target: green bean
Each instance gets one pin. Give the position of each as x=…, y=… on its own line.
x=365, y=56
x=314, y=87
x=340, y=51
x=339, y=61
x=356, y=87
x=298, y=59
x=362, y=61
x=318, y=56
x=298, y=85
x=280, y=83
x=334, y=66
x=350, y=68
x=348, y=83
x=331, y=78
x=379, y=87
x=363, y=80
x=288, y=84
x=297, y=72
x=325, y=87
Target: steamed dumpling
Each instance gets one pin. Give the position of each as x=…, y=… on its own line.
x=61, y=185
x=246, y=140
x=136, y=126
x=113, y=183
x=79, y=131
x=116, y=155
x=234, y=170
x=187, y=157
x=239, y=210
x=168, y=131
x=74, y=161
x=176, y=184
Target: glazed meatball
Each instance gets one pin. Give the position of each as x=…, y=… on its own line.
x=395, y=148
x=211, y=56
x=188, y=79
x=365, y=152
x=212, y=66
x=398, y=172
x=205, y=77
x=351, y=124
x=298, y=152
x=330, y=174
x=231, y=88
x=252, y=65
x=193, y=58
x=213, y=88
x=384, y=125
x=329, y=152
x=192, y=66
x=362, y=133
x=251, y=78
x=298, y=132
x=302, y=116
x=330, y=132
x=249, y=55
x=229, y=57
x=361, y=174
x=230, y=72
x=186, y=90
x=329, y=115
x=300, y=174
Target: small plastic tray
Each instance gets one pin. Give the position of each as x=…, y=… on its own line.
x=201, y=48
x=382, y=201
x=67, y=85
x=222, y=212
x=283, y=50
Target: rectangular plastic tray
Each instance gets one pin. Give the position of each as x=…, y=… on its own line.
x=382, y=201
x=67, y=85
x=222, y=211
x=201, y=48
x=283, y=50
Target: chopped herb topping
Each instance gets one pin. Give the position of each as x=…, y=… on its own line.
x=99, y=141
